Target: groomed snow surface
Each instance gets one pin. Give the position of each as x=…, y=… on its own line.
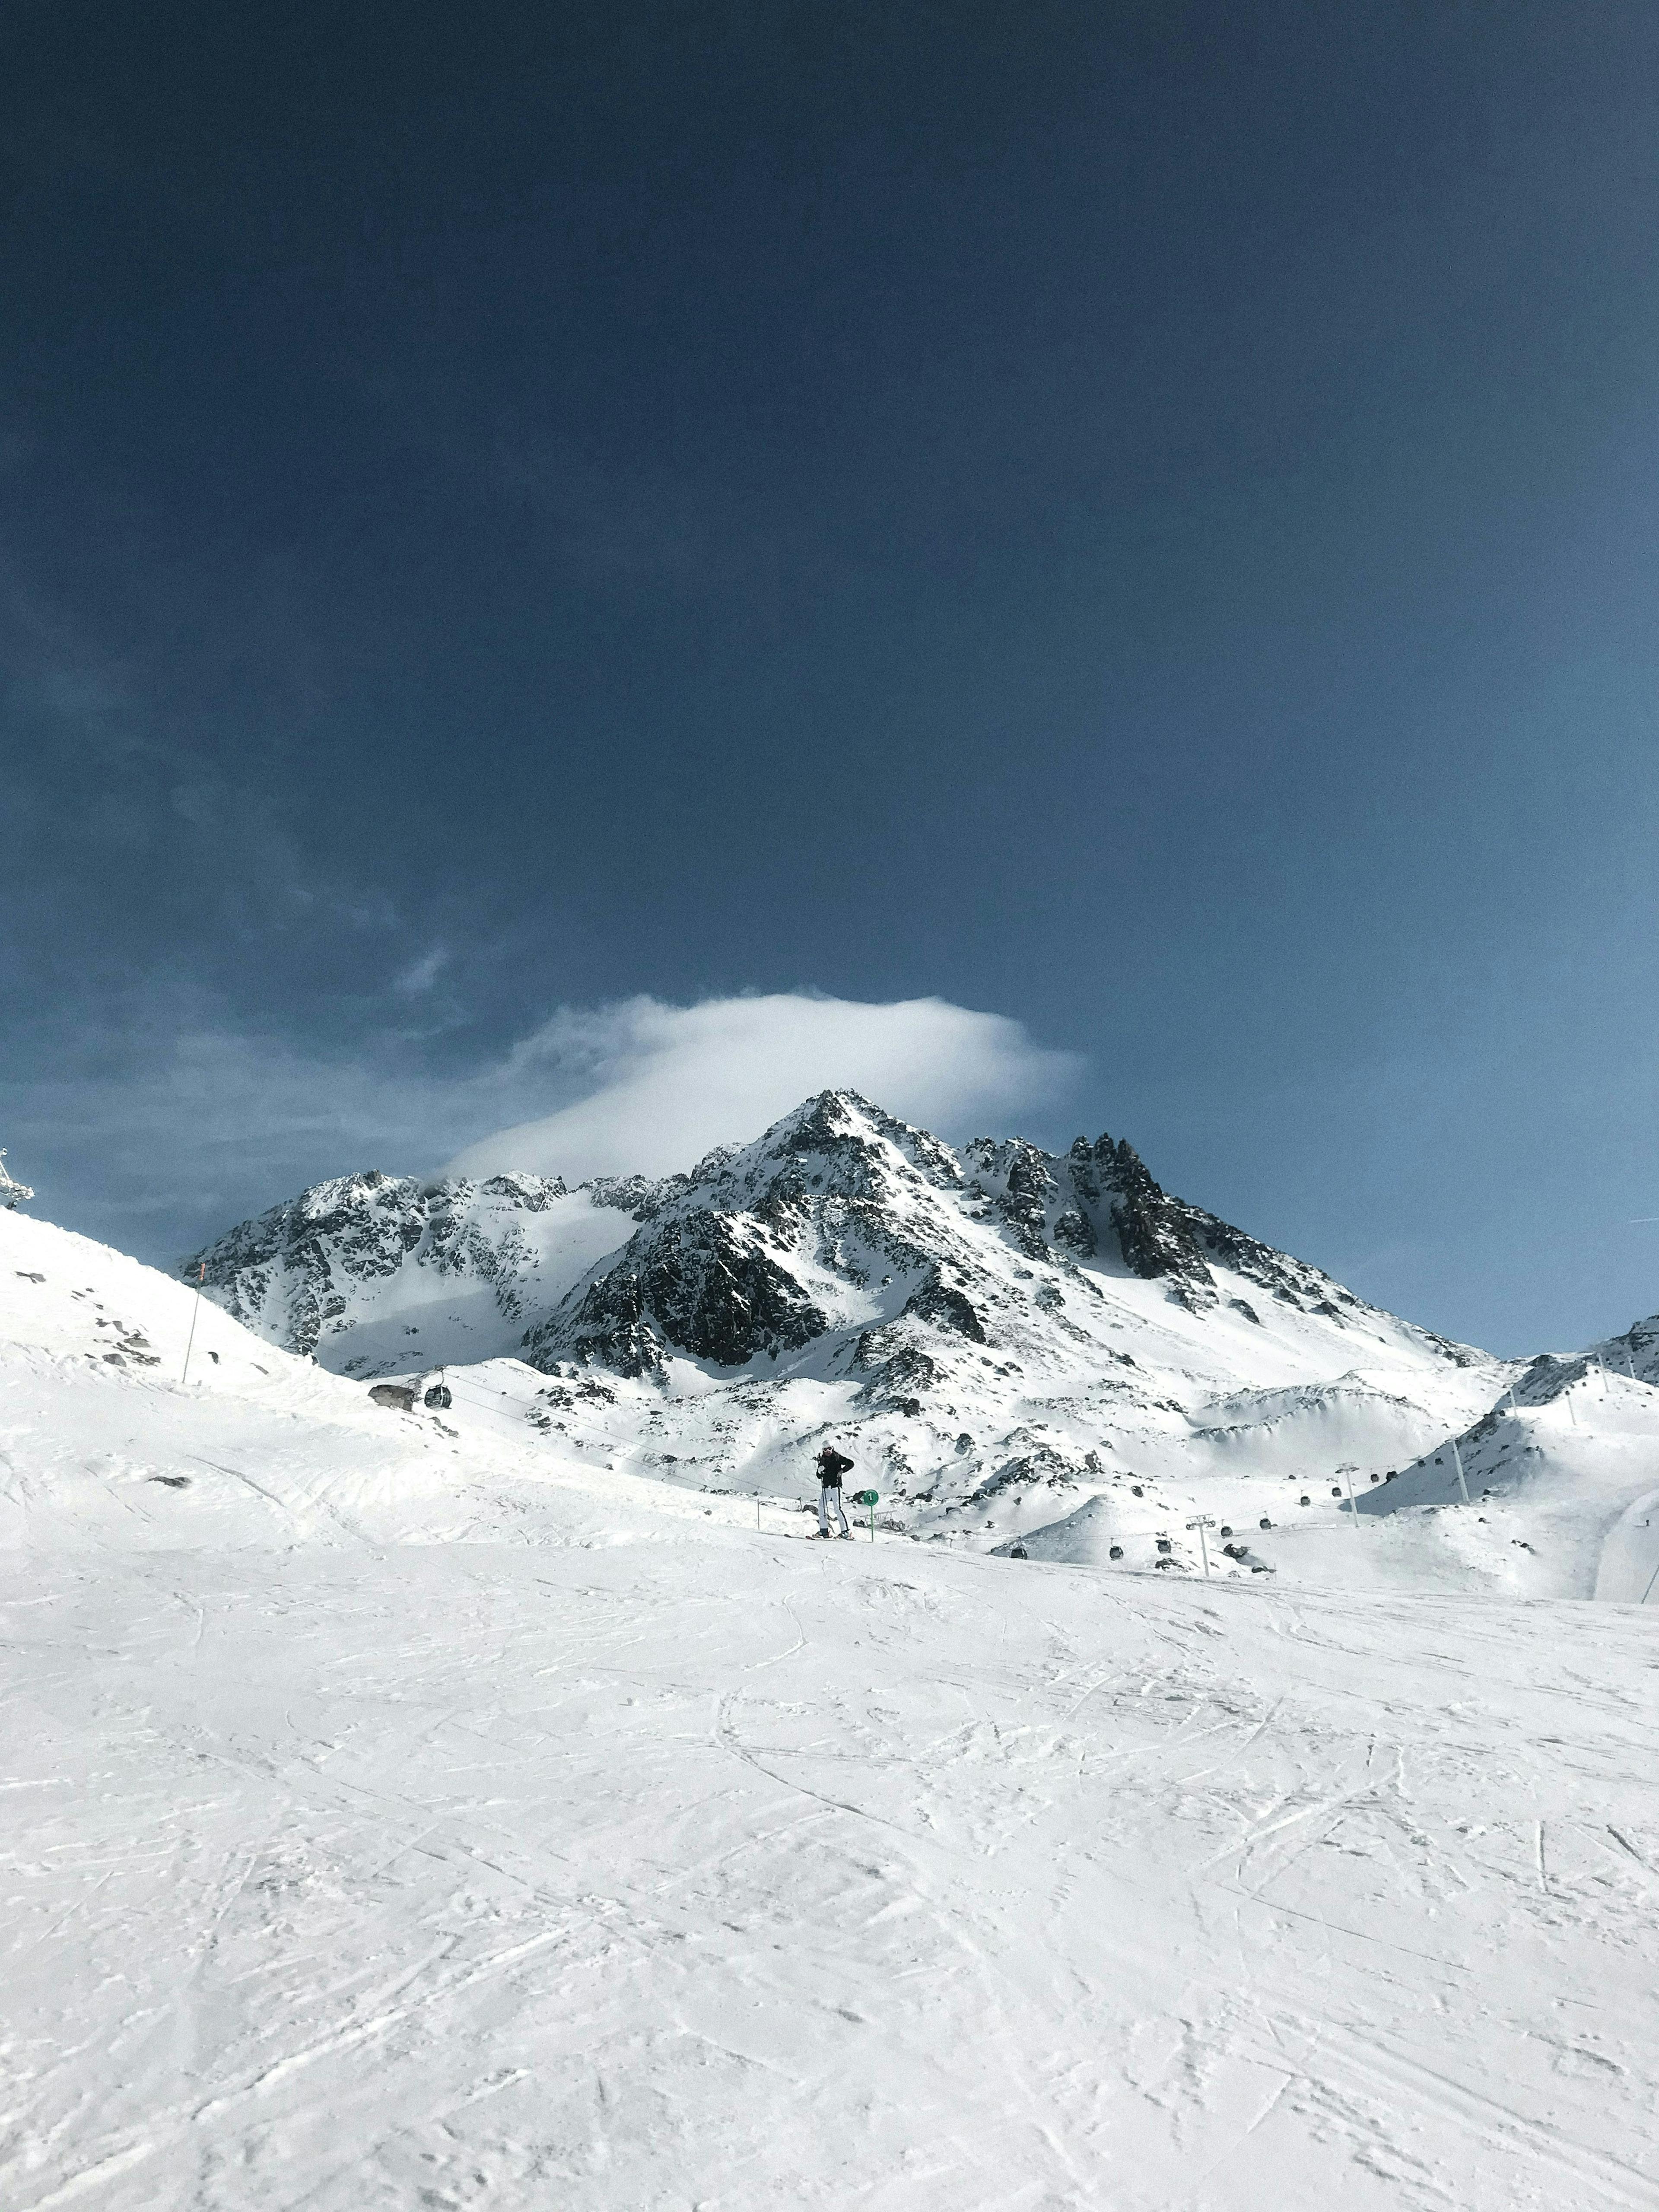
x=403, y=1814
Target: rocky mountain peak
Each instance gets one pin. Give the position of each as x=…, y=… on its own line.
x=842, y=1240
x=994, y=1324
x=840, y=1125
x=751, y=1254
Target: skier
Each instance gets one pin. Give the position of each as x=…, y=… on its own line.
x=832, y=1464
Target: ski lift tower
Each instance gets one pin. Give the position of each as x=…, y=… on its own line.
x=12, y=1194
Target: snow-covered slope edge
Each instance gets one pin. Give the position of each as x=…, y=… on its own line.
x=103, y=1442
x=1556, y=1486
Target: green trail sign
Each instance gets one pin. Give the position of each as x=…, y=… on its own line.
x=871, y=1498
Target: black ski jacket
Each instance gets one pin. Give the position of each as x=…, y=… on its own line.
x=831, y=1468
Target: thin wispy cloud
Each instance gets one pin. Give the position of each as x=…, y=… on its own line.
x=421, y=974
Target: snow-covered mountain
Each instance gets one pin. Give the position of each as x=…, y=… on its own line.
x=997, y=1335
x=727, y=1263
x=371, y=1273
x=134, y=1418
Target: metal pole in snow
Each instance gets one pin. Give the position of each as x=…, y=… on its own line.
x=200, y=1276
x=1202, y=1522
x=1354, y=1511
x=1571, y=1416
x=1457, y=1460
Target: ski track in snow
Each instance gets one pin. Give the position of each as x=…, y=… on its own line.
x=716, y=1871
x=394, y=1817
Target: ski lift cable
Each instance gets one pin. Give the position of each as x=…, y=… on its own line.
x=589, y=1430
x=481, y=1402
x=499, y=1412
x=478, y=1397
x=525, y=1408
x=587, y=1425
x=473, y=1396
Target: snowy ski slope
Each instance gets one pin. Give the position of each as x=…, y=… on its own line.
x=406, y=1812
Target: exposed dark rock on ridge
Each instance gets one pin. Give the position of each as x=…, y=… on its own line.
x=1097, y=1196
x=937, y=1302
x=703, y=1284
x=843, y=1237
x=708, y=1274
x=843, y=1193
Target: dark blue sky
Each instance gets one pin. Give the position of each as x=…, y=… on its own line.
x=1140, y=518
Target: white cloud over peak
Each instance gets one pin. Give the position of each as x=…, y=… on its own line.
x=659, y=1085
x=156, y=1123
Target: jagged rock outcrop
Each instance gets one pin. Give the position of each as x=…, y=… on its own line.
x=843, y=1243
x=938, y=1303
x=701, y=1284
x=1097, y=1197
